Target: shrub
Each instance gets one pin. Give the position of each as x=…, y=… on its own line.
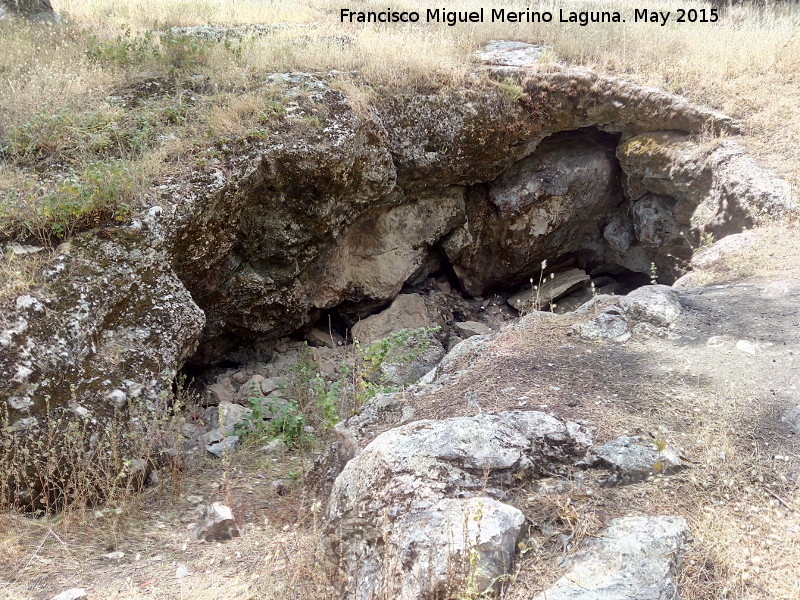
x=124, y=50
x=272, y=418
x=70, y=460
x=102, y=193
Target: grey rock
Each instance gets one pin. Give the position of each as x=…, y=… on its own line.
x=574, y=300
x=792, y=417
x=35, y=11
x=250, y=388
x=439, y=542
x=453, y=341
x=467, y=329
x=715, y=189
x=21, y=250
x=551, y=288
x=223, y=446
x=272, y=384
x=655, y=305
x=632, y=459
x=231, y=416
x=395, y=503
x=72, y=594
x=329, y=339
x=407, y=311
x=545, y=206
x=611, y=324
x=216, y=524
x=634, y=557
x=510, y=54
x=459, y=358
x=276, y=447
x=219, y=392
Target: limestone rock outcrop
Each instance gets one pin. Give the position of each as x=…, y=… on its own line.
x=347, y=203
x=634, y=557
x=110, y=327
x=413, y=514
x=278, y=231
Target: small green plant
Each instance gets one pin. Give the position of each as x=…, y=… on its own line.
x=706, y=240
x=183, y=52
x=255, y=421
x=361, y=377
x=401, y=346
x=287, y=423
x=271, y=418
x=326, y=398
x=511, y=89
x=175, y=52
x=125, y=50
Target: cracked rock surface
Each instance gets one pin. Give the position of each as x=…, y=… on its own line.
x=398, y=502
x=633, y=558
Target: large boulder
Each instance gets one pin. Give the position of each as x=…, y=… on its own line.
x=37, y=11
x=551, y=288
x=102, y=337
x=395, y=504
x=251, y=237
x=648, y=309
x=407, y=311
x=110, y=325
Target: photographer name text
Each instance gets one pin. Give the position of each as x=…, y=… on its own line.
x=454, y=18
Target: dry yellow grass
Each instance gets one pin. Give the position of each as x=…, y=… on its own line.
x=746, y=64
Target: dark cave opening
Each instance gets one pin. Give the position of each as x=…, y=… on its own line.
x=565, y=207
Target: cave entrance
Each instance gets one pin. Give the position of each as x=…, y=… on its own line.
x=561, y=225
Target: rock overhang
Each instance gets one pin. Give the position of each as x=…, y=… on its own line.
x=257, y=244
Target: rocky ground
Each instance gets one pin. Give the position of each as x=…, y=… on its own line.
x=710, y=396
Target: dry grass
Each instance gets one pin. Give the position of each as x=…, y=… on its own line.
x=18, y=274
x=765, y=253
x=739, y=494
x=274, y=559
x=746, y=64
